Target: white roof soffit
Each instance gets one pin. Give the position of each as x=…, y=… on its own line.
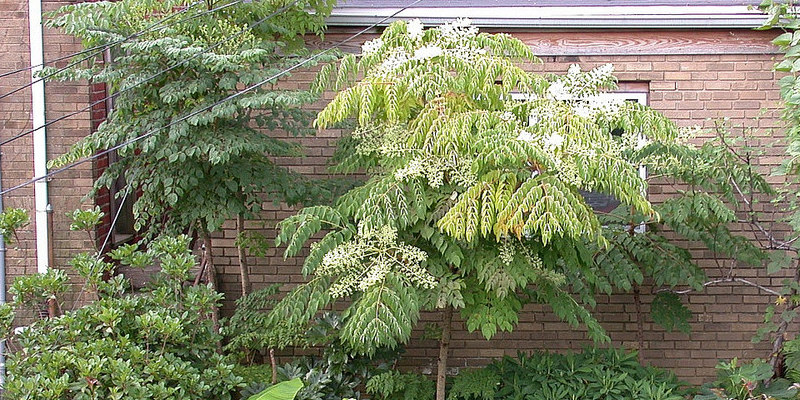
x=726, y=16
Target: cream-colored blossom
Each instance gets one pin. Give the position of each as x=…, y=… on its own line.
x=424, y=53
x=458, y=30
x=415, y=29
x=371, y=46
x=559, y=91
x=525, y=136
x=554, y=141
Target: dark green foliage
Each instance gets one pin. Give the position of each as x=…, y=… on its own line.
x=395, y=385
x=668, y=311
x=247, y=332
x=159, y=344
x=332, y=375
x=594, y=374
x=217, y=164
x=255, y=378
x=478, y=384
x=746, y=381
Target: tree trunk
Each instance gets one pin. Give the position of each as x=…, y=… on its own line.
x=274, y=365
x=211, y=273
x=444, y=350
x=243, y=270
x=776, y=358
x=52, y=308
x=637, y=299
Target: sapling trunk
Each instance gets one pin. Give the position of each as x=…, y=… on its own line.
x=211, y=273
x=52, y=308
x=243, y=270
x=637, y=300
x=274, y=365
x=775, y=358
x=444, y=350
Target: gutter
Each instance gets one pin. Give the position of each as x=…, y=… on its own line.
x=592, y=17
x=39, y=137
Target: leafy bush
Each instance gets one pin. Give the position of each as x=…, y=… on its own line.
x=394, y=385
x=247, y=333
x=333, y=375
x=336, y=373
x=159, y=344
x=606, y=374
x=746, y=381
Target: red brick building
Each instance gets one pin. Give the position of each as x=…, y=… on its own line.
x=691, y=62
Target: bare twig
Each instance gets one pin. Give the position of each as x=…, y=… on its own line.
x=714, y=282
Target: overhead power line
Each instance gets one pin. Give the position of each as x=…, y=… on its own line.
x=196, y=112
x=97, y=50
x=150, y=78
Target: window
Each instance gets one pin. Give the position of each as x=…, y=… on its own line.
x=601, y=202
x=117, y=205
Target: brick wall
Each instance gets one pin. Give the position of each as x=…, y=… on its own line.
x=691, y=84
x=66, y=189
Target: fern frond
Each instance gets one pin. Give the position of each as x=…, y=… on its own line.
x=381, y=317
x=545, y=207
x=296, y=230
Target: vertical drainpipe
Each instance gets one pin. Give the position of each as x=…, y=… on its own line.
x=39, y=137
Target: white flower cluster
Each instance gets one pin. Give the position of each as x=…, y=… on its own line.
x=371, y=46
x=634, y=141
x=553, y=141
x=466, y=53
x=397, y=57
x=426, y=52
x=578, y=85
x=559, y=91
x=568, y=173
x=458, y=30
x=592, y=105
x=366, y=261
x=414, y=169
x=507, y=252
x=434, y=170
x=415, y=29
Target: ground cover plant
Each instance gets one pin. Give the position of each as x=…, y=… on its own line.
x=594, y=374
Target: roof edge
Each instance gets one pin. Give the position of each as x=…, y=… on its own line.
x=665, y=17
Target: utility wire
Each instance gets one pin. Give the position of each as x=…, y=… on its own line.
x=99, y=48
x=196, y=112
x=114, y=221
x=95, y=50
x=150, y=78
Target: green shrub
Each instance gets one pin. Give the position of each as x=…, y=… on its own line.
x=159, y=344
x=746, y=381
x=594, y=374
x=394, y=385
